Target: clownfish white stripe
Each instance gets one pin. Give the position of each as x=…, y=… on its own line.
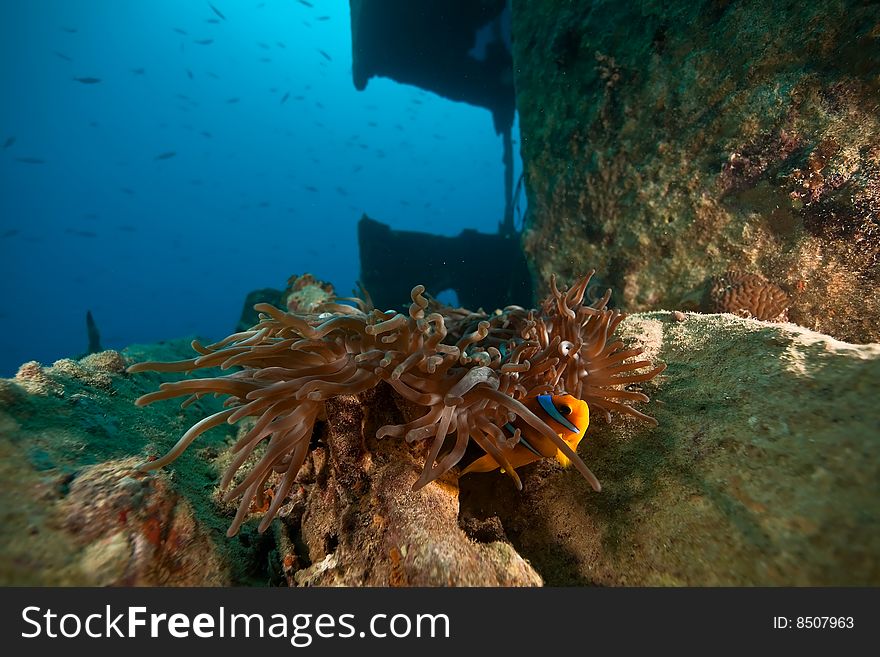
x=546, y=402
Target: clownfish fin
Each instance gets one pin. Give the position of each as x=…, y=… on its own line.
x=483, y=464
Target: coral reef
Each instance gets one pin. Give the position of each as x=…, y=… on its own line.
x=762, y=471
x=470, y=385
x=666, y=143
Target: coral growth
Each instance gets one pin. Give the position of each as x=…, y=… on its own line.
x=473, y=373
x=746, y=295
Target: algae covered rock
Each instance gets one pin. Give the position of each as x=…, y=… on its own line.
x=764, y=470
x=75, y=510
x=669, y=143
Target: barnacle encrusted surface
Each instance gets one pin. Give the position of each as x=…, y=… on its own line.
x=470, y=382
x=746, y=295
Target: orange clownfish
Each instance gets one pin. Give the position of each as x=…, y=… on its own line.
x=566, y=415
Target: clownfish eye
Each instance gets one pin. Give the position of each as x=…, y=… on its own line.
x=565, y=410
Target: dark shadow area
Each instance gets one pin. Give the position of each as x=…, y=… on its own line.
x=485, y=270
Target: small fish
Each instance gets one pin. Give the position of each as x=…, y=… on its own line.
x=207, y=134
x=319, y=105
x=280, y=44
x=216, y=11
x=265, y=60
x=372, y=124
x=325, y=55
x=211, y=74
x=213, y=21
x=12, y=232
x=167, y=155
x=9, y=142
x=356, y=168
x=322, y=18
x=138, y=71
x=87, y=80
x=70, y=30
x=30, y=160
x=127, y=190
x=264, y=46
x=180, y=31
x=305, y=3
x=285, y=97
x=189, y=74
x=311, y=188
x=204, y=42
x=81, y=233
x=264, y=204
x=341, y=191
x=63, y=56
x=233, y=100
x=566, y=416
x=299, y=97
x=127, y=228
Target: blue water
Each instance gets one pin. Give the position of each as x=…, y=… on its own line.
x=162, y=248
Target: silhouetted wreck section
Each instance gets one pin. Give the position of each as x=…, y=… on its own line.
x=485, y=270
x=458, y=49
x=461, y=50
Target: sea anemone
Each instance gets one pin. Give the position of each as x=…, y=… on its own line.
x=471, y=372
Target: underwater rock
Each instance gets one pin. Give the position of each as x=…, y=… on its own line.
x=136, y=531
x=75, y=511
x=764, y=469
x=249, y=316
x=672, y=142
